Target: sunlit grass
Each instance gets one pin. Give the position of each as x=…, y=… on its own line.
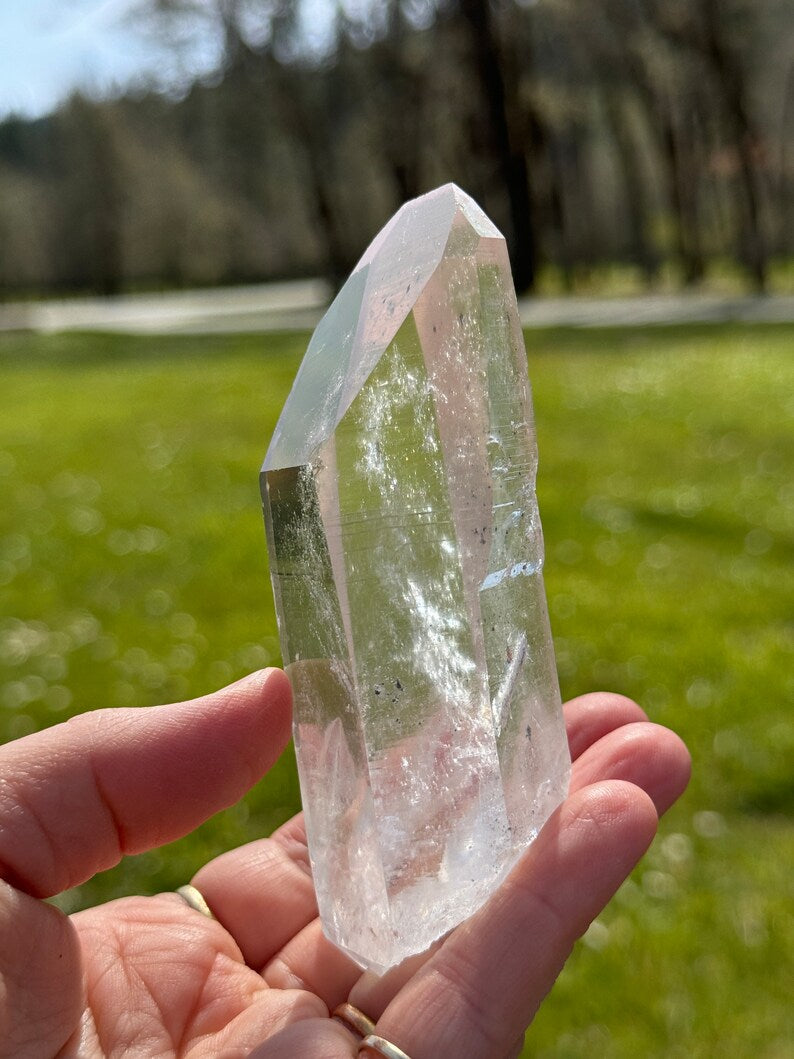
x=133, y=571
x=668, y=504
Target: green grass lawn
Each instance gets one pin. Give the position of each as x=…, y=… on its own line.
x=133, y=571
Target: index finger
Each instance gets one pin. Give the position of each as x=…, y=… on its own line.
x=76, y=798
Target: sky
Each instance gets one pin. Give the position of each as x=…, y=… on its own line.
x=49, y=47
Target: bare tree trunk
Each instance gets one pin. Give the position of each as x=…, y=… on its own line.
x=676, y=151
x=786, y=168
x=308, y=130
x=559, y=154
x=89, y=235
x=641, y=253
x=107, y=220
x=401, y=89
x=510, y=156
x=682, y=185
x=732, y=86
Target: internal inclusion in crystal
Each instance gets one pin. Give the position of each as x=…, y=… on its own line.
x=406, y=555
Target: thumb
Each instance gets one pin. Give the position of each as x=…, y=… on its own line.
x=41, y=984
x=76, y=798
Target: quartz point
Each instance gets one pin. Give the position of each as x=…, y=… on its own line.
x=406, y=552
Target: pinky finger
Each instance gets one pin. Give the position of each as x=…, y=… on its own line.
x=310, y=1037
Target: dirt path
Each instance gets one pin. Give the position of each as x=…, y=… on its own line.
x=299, y=304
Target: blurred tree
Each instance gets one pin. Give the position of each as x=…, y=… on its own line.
x=23, y=209
x=87, y=210
x=25, y=194
x=392, y=80
x=633, y=131
x=716, y=31
x=644, y=66
x=507, y=147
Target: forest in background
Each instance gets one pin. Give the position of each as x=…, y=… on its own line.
x=655, y=134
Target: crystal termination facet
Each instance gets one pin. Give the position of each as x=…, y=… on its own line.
x=406, y=554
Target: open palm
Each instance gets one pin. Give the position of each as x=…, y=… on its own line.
x=149, y=976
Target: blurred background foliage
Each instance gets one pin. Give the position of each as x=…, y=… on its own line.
x=651, y=134
x=133, y=571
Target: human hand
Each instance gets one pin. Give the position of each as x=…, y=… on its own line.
x=151, y=976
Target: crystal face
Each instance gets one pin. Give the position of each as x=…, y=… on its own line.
x=406, y=555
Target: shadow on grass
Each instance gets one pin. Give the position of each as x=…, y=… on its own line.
x=723, y=532
x=772, y=797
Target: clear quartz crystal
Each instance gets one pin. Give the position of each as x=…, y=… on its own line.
x=406, y=555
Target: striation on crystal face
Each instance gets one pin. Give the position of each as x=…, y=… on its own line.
x=406, y=555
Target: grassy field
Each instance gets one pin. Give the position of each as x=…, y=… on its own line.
x=133, y=571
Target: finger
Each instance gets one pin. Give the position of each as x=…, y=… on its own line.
x=40, y=981
x=373, y=993
x=516, y=1049
x=76, y=798
x=263, y=895
x=310, y=961
x=648, y=755
x=313, y=1037
x=481, y=989
x=589, y=718
x=262, y=892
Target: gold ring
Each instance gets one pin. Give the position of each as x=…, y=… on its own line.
x=353, y=1019
x=381, y=1046
x=195, y=898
